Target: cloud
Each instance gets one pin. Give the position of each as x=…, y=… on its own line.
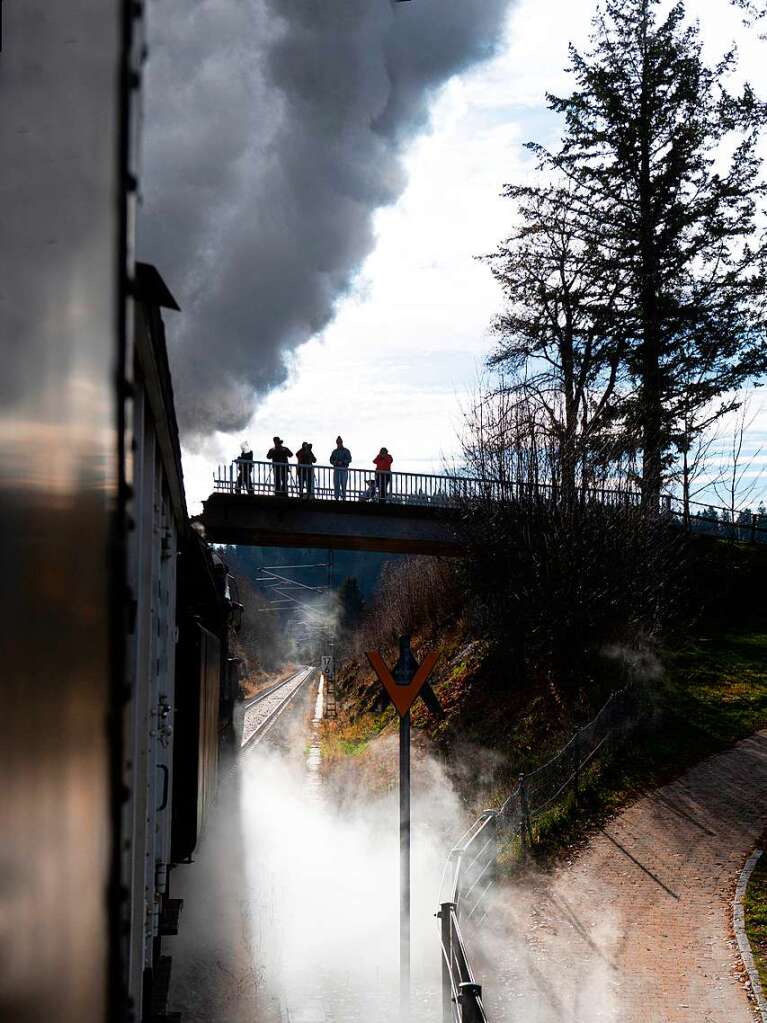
x=274, y=130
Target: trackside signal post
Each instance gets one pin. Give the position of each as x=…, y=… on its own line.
x=403, y=685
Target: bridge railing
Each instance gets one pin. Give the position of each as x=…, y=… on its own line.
x=323, y=482
x=742, y=524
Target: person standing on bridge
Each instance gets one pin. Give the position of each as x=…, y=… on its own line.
x=245, y=468
x=383, y=462
x=340, y=459
x=306, y=459
x=278, y=456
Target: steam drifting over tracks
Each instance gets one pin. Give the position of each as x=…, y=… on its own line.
x=262, y=712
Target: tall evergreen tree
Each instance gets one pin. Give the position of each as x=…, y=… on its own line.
x=753, y=10
x=662, y=159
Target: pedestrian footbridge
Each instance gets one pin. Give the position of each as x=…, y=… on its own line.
x=256, y=503
x=259, y=504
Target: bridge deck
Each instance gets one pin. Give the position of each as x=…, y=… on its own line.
x=268, y=521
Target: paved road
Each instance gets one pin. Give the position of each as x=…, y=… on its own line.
x=638, y=927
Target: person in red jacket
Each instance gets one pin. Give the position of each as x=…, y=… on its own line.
x=382, y=462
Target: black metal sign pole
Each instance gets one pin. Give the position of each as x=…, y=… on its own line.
x=404, y=683
x=404, y=865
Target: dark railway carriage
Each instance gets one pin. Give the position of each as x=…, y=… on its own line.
x=209, y=614
x=181, y=616
x=198, y=689
x=156, y=527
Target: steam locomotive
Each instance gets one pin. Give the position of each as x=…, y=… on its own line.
x=118, y=678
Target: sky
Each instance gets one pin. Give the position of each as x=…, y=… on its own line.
x=404, y=329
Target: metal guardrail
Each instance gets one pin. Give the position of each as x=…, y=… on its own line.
x=469, y=874
x=471, y=868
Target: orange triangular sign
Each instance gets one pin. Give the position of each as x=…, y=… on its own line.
x=403, y=697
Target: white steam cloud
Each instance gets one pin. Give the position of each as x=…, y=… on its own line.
x=274, y=130
x=292, y=907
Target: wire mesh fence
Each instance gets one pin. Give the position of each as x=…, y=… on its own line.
x=562, y=777
x=471, y=869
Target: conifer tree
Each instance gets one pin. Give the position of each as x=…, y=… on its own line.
x=662, y=162
x=753, y=10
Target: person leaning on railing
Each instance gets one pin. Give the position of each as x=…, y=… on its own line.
x=340, y=459
x=245, y=468
x=306, y=459
x=383, y=462
x=278, y=456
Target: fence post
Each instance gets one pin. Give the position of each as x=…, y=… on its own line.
x=577, y=769
x=525, y=830
x=469, y=993
x=446, y=927
x=493, y=868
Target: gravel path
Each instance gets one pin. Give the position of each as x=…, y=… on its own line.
x=637, y=928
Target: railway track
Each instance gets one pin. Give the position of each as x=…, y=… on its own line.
x=261, y=713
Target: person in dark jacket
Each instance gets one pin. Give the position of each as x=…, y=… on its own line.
x=245, y=468
x=306, y=459
x=383, y=462
x=278, y=456
x=340, y=459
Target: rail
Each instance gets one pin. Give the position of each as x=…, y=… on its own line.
x=261, y=696
x=261, y=712
x=325, y=483
x=471, y=868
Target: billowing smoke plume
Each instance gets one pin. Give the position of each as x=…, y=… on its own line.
x=274, y=130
